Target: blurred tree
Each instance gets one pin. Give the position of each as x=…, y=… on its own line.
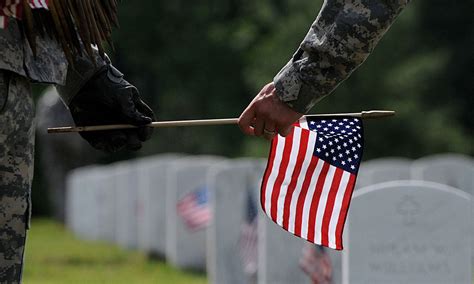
x=209, y=59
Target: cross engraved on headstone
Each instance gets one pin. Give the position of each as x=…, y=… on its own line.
x=409, y=209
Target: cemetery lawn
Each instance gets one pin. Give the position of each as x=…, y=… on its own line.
x=54, y=255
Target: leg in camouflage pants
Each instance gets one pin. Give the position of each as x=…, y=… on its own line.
x=16, y=171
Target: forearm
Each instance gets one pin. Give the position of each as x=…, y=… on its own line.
x=342, y=37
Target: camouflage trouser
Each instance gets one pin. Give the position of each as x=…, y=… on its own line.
x=16, y=171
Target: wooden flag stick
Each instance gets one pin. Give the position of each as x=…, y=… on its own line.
x=209, y=122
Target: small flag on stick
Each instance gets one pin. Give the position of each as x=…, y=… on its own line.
x=248, y=241
x=310, y=177
x=194, y=209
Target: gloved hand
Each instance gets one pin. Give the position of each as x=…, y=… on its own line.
x=107, y=98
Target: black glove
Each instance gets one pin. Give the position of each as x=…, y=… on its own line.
x=107, y=98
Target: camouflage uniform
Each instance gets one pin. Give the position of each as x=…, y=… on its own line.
x=18, y=68
x=341, y=38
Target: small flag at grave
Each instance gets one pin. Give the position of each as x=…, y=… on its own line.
x=310, y=177
x=194, y=209
x=316, y=263
x=248, y=242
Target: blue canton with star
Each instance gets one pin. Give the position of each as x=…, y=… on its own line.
x=201, y=195
x=339, y=141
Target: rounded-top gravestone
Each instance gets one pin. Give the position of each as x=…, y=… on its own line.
x=383, y=170
x=408, y=232
x=232, y=236
x=185, y=246
x=451, y=169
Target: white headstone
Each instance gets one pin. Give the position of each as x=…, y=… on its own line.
x=126, y=207
x=73, y=187
x=152, y=181
x=230, y=184
x=372, y=172
x=383, y=170
x=450, y=169
x=279, y=254
x=81, y=202
x=408, y=232
x=184, y=248
x=105, y=192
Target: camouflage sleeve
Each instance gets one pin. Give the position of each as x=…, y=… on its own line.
x=79, y=73
x=342, y=37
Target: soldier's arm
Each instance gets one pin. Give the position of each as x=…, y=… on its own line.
x=341, y=38
x=97, y=93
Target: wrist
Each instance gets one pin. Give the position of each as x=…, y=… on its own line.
x=79, y=75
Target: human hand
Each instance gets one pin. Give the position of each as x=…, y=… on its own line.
x=267, y=115
x=109, y=99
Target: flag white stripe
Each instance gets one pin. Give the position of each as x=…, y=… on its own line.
x=199, y=216
x=304, y=123
x=289, y=172
x=273, y=174
x=337, y=209
x=322, y=204
x=299, y=183
x=2, y=22
x=11, y=8
x=6, y=9
x=309, y=198
x=37, y=4
x=189, y=210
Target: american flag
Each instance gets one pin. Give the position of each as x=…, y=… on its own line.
x=316, y=263
x=310, y=176
x=194, y=209
x=14, y=9
x=248, y=241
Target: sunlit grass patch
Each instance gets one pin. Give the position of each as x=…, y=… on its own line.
x=54, y=255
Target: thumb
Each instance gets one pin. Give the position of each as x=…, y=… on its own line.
x=245, y=121
x=129, y=108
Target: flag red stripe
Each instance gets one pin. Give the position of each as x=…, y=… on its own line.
x=344, y=209
x=302, y=196
x=330, y=206
x=281, y=175
x=19, y=10
x=315, y=202
x=295, y=177
x=268, y=171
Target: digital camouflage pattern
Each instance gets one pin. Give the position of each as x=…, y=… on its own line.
x=16, y=171
x=342, y=37
x=18, y=66
x=49, y=66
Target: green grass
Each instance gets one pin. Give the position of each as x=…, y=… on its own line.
x=54, y=255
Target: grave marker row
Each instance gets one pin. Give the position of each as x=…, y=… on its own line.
x=134, y=204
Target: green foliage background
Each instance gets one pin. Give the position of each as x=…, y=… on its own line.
x=209, y=58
